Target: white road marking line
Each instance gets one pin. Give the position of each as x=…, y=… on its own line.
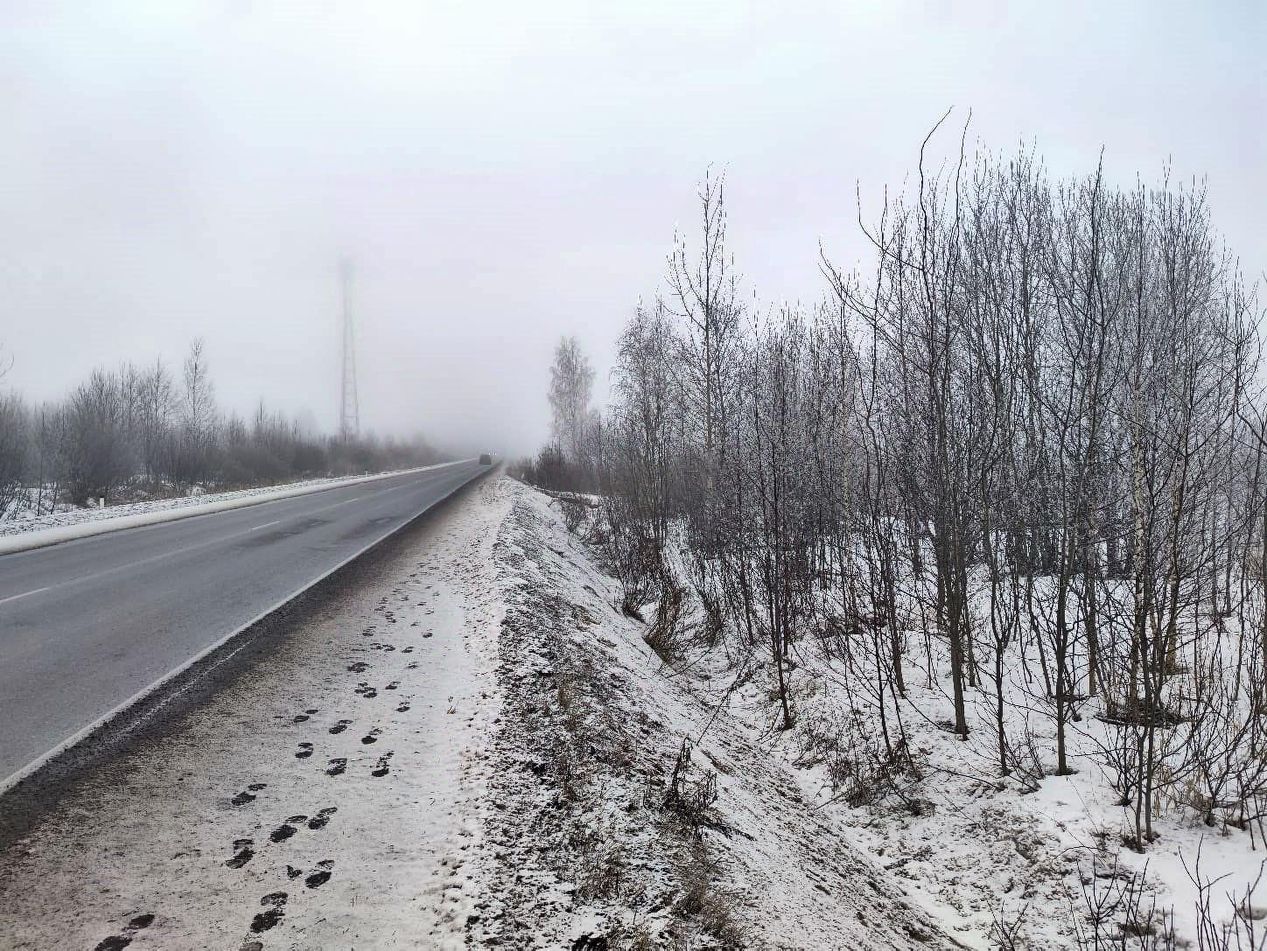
x=25, y=594
x=326, y=508
x=267, y=524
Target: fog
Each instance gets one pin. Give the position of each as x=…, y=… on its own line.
x=503, y=175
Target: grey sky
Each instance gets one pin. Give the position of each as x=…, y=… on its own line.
x=504, y=173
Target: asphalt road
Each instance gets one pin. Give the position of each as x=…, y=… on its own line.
x=88, y=624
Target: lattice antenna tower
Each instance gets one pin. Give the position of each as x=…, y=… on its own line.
x=349, y=409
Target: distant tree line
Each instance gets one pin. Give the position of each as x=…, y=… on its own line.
x=138, y=432
x=1024, y=445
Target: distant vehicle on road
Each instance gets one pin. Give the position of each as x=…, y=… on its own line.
x=485, y=459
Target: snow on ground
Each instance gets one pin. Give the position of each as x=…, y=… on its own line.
x=982, y=849
x=971, y=849
x=322, y=800
x=587, y=845
x=996, y=861
x=25, y=521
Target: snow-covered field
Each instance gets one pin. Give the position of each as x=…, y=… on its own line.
x=987, y=854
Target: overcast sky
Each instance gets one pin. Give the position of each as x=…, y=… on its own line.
x=506, y=173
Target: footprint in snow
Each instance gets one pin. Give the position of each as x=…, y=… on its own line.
x=382, y=769
x=340, y=726
x=275, y=903
x=337, y=766
x=286, y=829
x=305, y=750
x=321, y=876
x=322, y=817
x=372, y=736
x=117, y=941
x=402, y=708
x=244, y=853
x=359, y=667
x=248, y=794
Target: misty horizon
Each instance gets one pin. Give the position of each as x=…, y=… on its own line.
x=198, y=172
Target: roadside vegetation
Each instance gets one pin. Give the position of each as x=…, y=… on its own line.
x=986, y=523
x=136, y=433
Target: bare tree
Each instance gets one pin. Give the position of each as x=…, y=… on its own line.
x=571, y=390
x=704, y=290
x=194, y=441
x=156, y=399
x=14, y=443
x=1030, y=434
x=96, y=453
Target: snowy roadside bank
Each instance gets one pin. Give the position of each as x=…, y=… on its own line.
x=45, y=530
x=1028, y=859
x=628, y=811
x=794, y=836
